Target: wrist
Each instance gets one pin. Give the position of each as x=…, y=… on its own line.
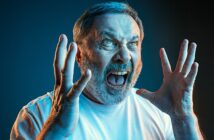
x=190, y=118
x=186, y=127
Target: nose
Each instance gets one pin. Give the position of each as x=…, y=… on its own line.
x=122, y=56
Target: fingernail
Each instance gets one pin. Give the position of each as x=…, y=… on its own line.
x=88, y=72
x=185, y=41
x=196, y=64
x=162, y=50
x=194, y=44
x=61, y=37
x=71, y=45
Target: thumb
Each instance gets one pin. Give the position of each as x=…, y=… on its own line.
x=146, y=94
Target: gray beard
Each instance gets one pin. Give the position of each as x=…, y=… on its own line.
x=96, y=87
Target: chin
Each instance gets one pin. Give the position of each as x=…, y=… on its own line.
x=106, y=95
x=116, y=95
x=113, y=97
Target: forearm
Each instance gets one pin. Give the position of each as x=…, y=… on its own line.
x=59, y=127
x=186, y=128
x=51, y=130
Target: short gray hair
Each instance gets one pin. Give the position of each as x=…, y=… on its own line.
x=84, y=23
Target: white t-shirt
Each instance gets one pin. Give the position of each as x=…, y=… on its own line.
x=135, y=118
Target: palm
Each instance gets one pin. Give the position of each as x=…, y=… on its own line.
x=175, y=94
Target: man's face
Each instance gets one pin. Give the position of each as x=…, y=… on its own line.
x=112, y=50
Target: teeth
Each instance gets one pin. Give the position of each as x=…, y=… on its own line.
x=120, y=73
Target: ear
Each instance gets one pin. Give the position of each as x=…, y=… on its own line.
x=78, y=55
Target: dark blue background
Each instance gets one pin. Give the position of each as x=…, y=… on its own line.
x=29, y=32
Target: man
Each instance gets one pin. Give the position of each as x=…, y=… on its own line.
x=103, y=103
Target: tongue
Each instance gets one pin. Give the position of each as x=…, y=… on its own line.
x=116, y=80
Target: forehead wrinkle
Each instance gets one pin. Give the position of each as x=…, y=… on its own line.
x=120, y=27
x=109, y=33
x=112, y=34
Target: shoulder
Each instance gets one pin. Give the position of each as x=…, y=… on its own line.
x=32, y=117
x=41, y=104
x=39, y=108
x=41, y=100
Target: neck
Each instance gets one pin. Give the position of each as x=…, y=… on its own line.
x=87, y=94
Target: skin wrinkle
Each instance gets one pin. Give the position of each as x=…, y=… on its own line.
x=100, y=60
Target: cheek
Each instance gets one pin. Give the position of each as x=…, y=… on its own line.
x=137, y=61
x=100, y=60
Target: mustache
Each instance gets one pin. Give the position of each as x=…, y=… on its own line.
x=119, y=67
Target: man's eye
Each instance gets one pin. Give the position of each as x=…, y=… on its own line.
x=133, y=44
x=107, y=42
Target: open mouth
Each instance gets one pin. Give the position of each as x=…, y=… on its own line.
x=117, y=79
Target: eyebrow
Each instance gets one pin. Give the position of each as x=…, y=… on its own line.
x=110, y=34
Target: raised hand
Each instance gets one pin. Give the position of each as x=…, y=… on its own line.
x=64, y=114
x=175, y=94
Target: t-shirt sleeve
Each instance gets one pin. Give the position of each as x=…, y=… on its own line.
x=25, y=126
